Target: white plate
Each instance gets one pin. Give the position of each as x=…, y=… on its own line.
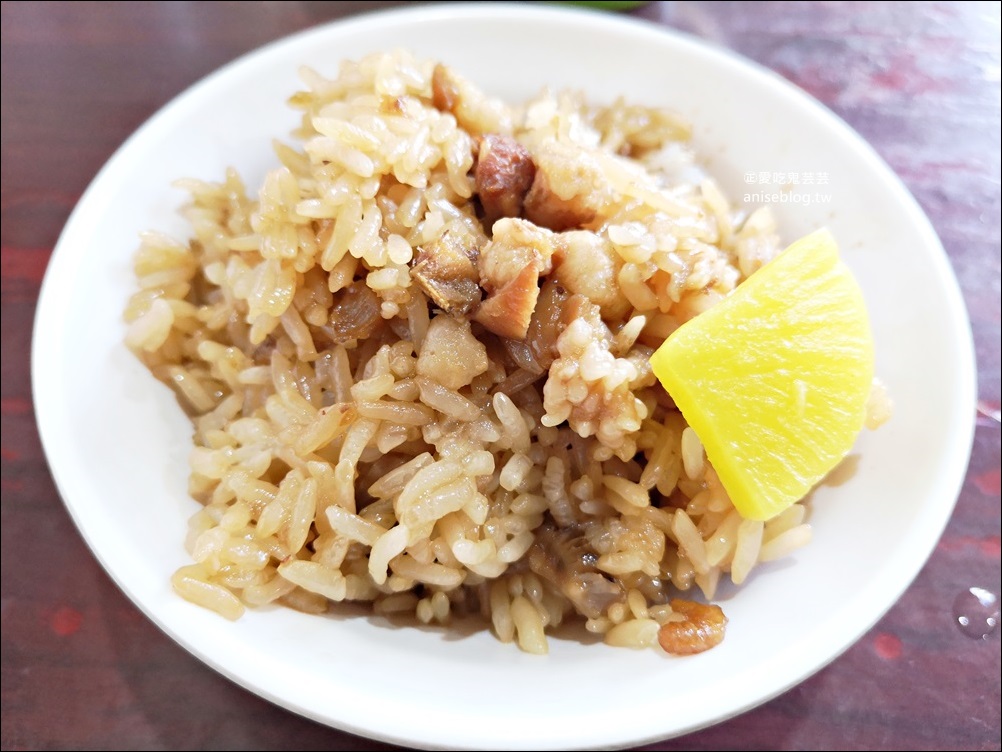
x=117, y=442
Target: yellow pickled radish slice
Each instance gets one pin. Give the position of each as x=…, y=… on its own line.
x=775, y=378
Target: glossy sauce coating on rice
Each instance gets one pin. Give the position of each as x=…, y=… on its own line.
x=417, y=364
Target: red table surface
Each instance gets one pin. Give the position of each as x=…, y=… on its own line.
x=82, y=668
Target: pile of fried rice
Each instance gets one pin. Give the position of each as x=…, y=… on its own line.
x=416, y=360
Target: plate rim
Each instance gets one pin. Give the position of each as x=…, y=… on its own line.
x=63, y=261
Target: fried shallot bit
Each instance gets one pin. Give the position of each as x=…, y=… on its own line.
x=569, y=189
x=547, y=323
x=565, y=559
x=702, y=628
x=445, y=269
x=503, y=176
x=354, y=315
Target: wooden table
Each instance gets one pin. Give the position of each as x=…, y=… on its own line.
x=82, y=668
